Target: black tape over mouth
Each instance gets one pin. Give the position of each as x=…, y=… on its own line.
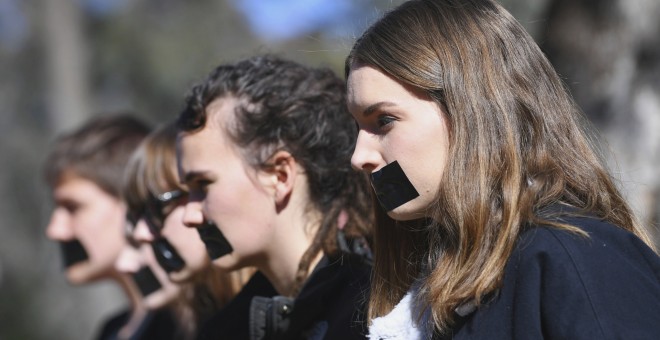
x=167, y=256
x=215, y=242
x=72, y=252
x=146, y=281
x=392, y=186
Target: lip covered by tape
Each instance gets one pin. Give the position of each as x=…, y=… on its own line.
x=215, y=242
x=392, y=187
x=73, y=252
x=146, y=281
x=167, y=256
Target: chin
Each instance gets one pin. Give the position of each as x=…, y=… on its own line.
x=76, y=280
x=227, y=263
x=403, y=214
x=158, y=299
x=80, y=274
x=181, y=276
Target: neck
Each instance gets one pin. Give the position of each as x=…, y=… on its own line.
x=294, y=237
x=138, y=309
x=283, y=276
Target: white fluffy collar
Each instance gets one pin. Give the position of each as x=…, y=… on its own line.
x=402, y=322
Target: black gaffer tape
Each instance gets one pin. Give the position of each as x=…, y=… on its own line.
x=146, y=281
x=215, y=242
x=392, y=186
x=72, y=252
x=167, y=256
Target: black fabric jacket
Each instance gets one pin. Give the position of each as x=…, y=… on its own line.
x=158, y=324
x=559, y=285
x=331, y=305
x=232, y=321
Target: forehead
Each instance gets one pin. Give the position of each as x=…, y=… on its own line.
x=71, y=186
x=203, y=149
x=360, y=80
x=367, y=85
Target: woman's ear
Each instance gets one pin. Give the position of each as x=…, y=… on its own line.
x=282, y=173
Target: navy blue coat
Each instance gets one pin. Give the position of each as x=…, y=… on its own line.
x=558, y=285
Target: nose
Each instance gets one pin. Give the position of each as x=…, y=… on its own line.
x=192, y=214
x=59, y=227
x=129, y=260
x=141, y=233
x=366, y=156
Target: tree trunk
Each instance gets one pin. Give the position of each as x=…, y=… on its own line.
x=66, y=64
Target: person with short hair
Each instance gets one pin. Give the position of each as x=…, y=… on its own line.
x=85, y=170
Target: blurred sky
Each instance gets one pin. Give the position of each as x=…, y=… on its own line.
x=271, y=19
x=284, y=19
x=13, y=25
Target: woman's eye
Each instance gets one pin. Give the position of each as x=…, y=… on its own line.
x=384, y=120
x=198, y=188
x=72, y=208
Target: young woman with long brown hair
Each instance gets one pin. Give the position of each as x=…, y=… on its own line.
x=156, y=198
x=498, y=219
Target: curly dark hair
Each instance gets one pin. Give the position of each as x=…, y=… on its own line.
x=283, y=105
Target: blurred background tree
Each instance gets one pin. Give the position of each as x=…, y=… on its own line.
x=64, y=61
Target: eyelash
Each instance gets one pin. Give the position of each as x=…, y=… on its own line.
x=199, y=186
x=384, y=120
x=71, y=208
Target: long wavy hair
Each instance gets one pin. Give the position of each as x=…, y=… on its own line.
x=518, y=144
x=152, y=171
x=283, y=105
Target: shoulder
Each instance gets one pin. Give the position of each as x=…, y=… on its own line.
x=334, y=298
x=112, y=325
x=159, y=324
x=607, y=282
x=232, y=321
x=604, y=243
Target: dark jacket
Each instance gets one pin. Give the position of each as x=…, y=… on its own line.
x=330, y=305
x=559, y=285
x=232, y=321
x=156, y=325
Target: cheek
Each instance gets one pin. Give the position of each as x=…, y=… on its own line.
x=173, y=226
x=235, y=201
x=423, y=160
x=185, y=240
x=105, y=233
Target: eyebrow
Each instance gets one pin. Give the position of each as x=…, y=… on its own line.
x=192, y=175
x=65, y=201
x=375, y=107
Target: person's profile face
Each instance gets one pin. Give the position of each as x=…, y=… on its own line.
x=85, y=212
x=398, y=123
x=225, y=191
x=164, y=221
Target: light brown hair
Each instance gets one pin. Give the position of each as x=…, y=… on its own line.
x=150, y=172
x=97, y=151
x=518, y=144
